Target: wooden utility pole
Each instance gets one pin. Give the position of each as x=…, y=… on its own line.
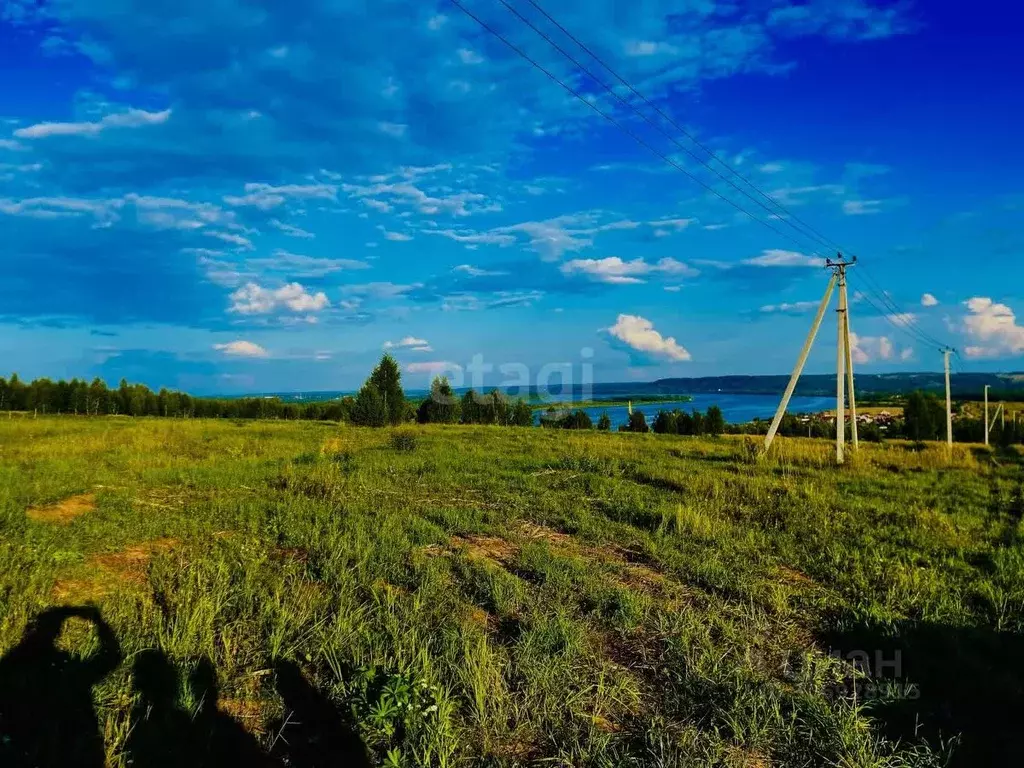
x=844, y=360
x=849, y=356
x=949, y=400
x=986, y=414
x=800, y=361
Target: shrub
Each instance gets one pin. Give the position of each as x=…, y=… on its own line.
x=604, y=423
x=404, y=441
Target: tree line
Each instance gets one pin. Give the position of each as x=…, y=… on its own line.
x=381, y=401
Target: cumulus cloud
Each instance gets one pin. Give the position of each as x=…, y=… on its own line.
x=614, y=270
x=133, y=118
x=774, y=257
x=639, y=334
x=253, y=299
x=994, y=327
x=868, y=349
x=241, y=348
x=927, y=300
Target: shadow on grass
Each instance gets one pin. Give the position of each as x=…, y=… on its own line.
x=46, y=707
x=47, y=718
x=952, y=681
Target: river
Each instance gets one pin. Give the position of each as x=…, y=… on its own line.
x=735, y=408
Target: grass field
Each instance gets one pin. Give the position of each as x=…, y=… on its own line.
x=501, y=596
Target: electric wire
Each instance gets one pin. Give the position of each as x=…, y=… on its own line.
x=644, y=143
x=773, y=208
x=894, y=315
x=805, y=229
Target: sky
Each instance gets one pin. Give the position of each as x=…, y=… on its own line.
x=239, y=196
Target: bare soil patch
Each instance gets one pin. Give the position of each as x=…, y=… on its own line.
x=64, y=511
x=111, y=571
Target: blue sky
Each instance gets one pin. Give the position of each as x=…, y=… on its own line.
x=238, y=196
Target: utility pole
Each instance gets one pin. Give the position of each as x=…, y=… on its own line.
x=986, y=414
x=840, y=373
x=800, y=361
x=949, y=401
x=849, y=354
x=844, y=361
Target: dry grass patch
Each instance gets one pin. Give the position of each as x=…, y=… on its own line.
x=64, y=511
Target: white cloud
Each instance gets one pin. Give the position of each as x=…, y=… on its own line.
x=433, y=367
x=995, y=326
x=674, y=224
x=298, y=265
x=774, y=257
x=927, y=300
x=472, y=271
x=862, y=207
x=252, y=299
x=267, y=196
x=616, y=271
x=290, y=230
x=398, y=237
x=229, y=237
x=638, y=333
x=791, y=307
x=133, y=118
x=467, y=56
x=639, y=48
x=381, y=290
x=468, y=302
x=395, y=130
x=406, y=343
x=473, y=238
x=241, y=348
x=866, y=349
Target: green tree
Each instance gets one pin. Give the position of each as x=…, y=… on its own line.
x=441, y=406
x=637, y=422
x=470, y=408
x=578, y=419
x=387, y=378
x=604, y=423
x=369, y=409
x=923, y=416
x=714, y=422
x=522, y=414
x=665, y=423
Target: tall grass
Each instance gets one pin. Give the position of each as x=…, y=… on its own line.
x=504, y=596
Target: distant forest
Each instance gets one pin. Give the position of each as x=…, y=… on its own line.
x=95, y=398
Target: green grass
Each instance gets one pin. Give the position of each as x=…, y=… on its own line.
x=504, y=596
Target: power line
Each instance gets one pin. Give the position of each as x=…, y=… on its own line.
x=822, y=239
x=642, y=142
x=907, y=323
x=772, y=208
x=808, y=230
